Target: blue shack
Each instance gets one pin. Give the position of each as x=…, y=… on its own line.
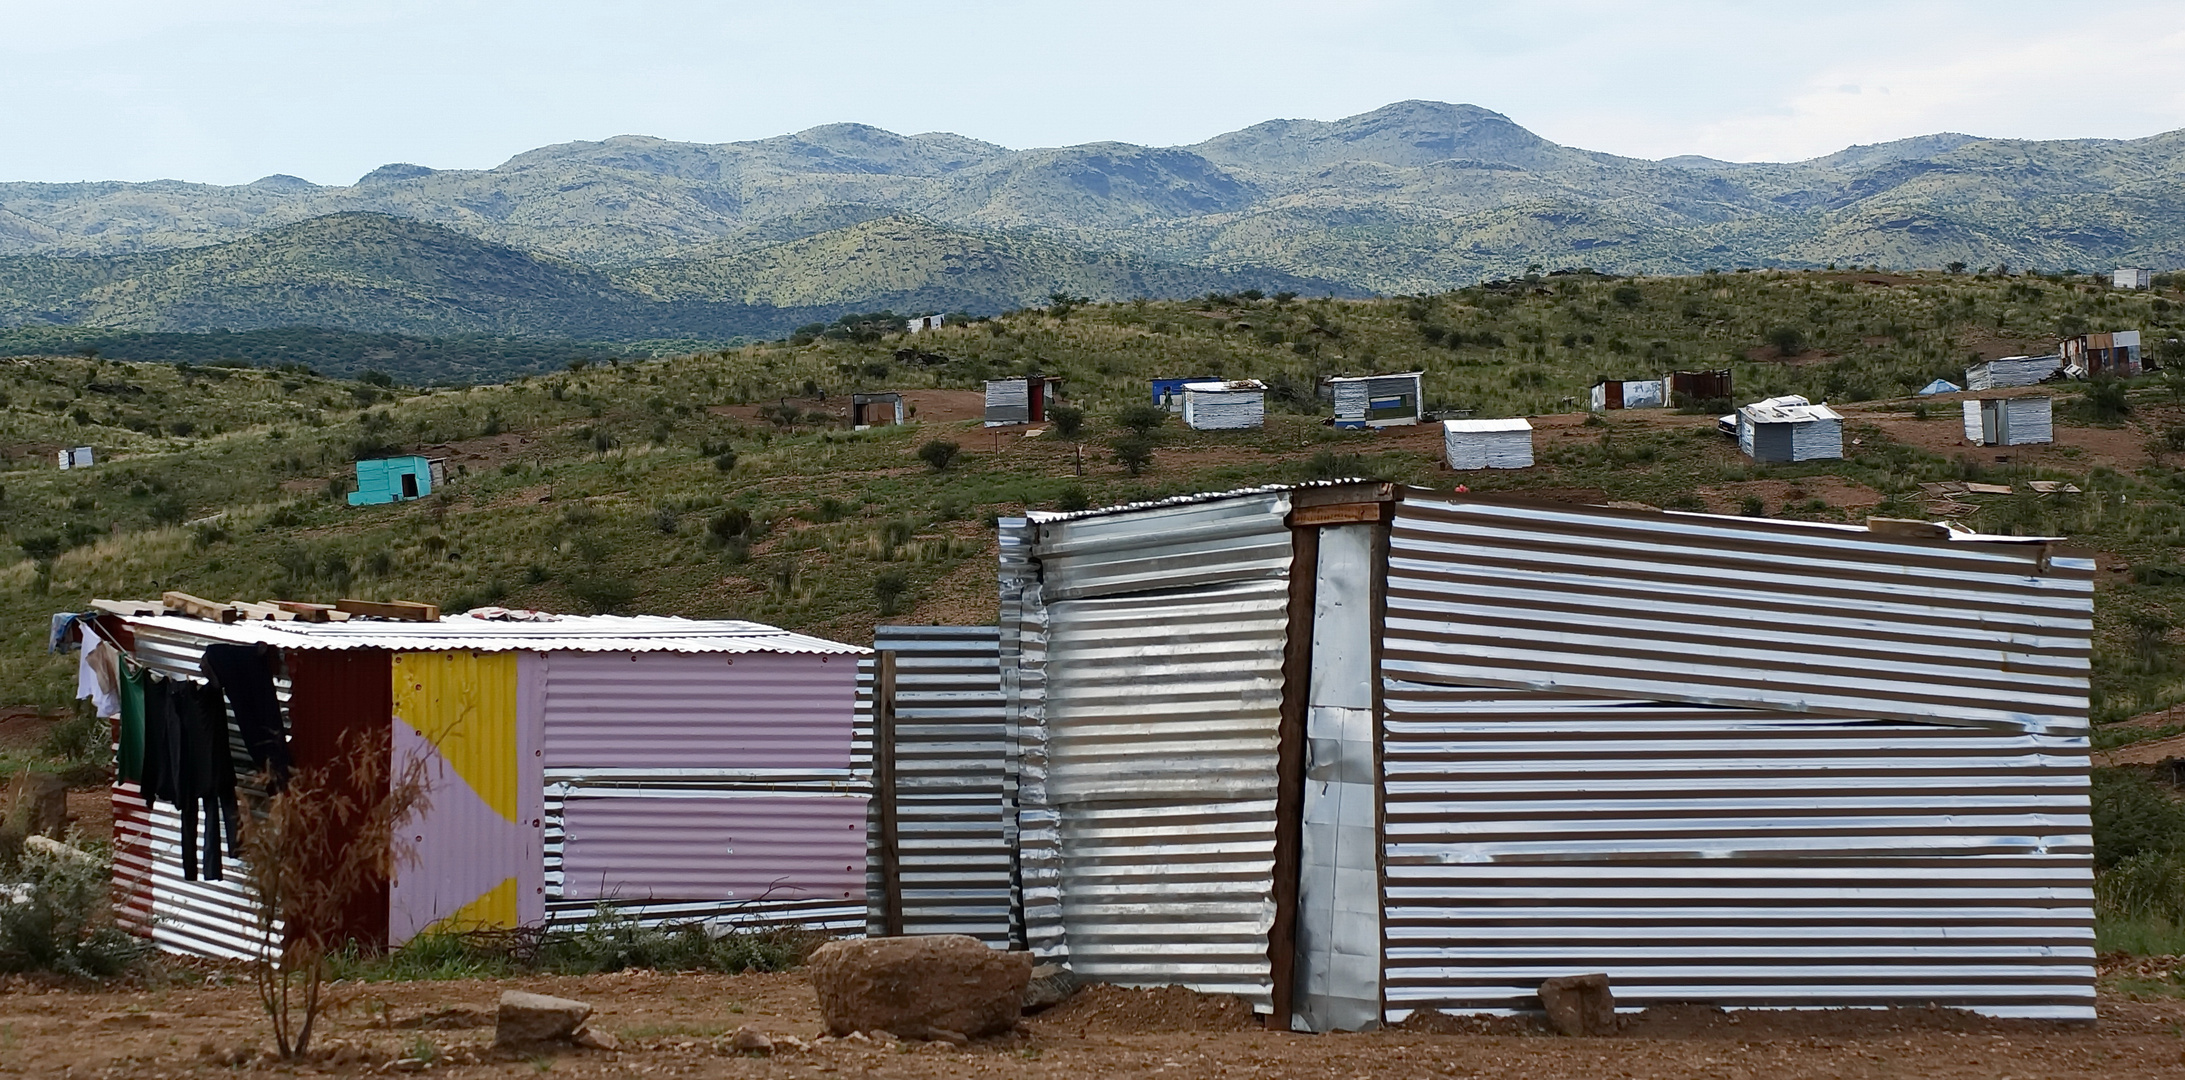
x=386, y=480
x=1169, y=393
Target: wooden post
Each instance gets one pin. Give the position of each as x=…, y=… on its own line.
x=1290, y=772
x=883, y=782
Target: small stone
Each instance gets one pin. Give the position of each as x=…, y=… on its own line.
x=526, y=1019
x=750, y=1040
x=791, y=1042
x=592, y=1038
x=1580, y=1004
x=943, y=1035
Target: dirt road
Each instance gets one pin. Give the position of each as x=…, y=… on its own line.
x=673, y=1025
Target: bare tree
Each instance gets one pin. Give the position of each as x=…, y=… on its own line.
x=327, y=838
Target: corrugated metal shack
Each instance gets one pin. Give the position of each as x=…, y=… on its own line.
x=1698, y=386
x=688, y=770
x=1233, y=405
x=2009, y=371
x=1353, y=751
x=1790, y=429
x=1373, y=401
x=398, y=479
x=1488, y=444
x=1021, y=400
x=875, y=409
x=2012, y=421
x=1629, y=394
x=2090, y=356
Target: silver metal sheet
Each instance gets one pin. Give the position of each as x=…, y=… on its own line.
x=951, y=781
x=1732, y=611
x=1148, y=726
x=1744, y=858
x=1168, y=547
x=1338, y=969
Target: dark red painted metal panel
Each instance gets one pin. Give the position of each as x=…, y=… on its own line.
x=341, y=703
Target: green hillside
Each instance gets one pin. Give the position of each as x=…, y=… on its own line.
x=1414, y=196
x=725, y=484
x=372, y=273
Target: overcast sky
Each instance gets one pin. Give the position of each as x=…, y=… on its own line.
x=229, y=90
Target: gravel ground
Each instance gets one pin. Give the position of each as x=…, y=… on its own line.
x=676, y=1025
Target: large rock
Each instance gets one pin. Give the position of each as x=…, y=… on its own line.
x=529, y=1019
x=942, y=986
x=1580, y=1005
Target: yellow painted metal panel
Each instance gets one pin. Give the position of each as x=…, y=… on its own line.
x=464, y=703
x=494, y=910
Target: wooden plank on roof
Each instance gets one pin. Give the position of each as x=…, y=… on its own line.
x=390, y=609
x=197, y=607
x=261, y=612
x=1351, y=513
x=306, y=612
x=132, y=608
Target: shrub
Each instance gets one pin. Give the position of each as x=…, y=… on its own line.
x=1628, y=295
x=1068, y=420
x=1134, y=453
x=1788, y=340
x=604, y=594
x=888, y=588
x=2132, y=817
x=1329, y=465
x=62, y=918
x=1072, y=499
x=2149, y=885
x=1142, y=419
x=938, y=453
x=725, y=461
x=2107, y=401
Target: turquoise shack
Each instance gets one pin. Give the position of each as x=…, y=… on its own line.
x=386, y=480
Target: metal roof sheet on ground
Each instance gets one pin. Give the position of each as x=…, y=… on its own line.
x=579, y=633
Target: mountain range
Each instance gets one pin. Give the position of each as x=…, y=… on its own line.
x=643, y=237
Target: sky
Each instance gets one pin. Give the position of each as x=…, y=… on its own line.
x=226, y=91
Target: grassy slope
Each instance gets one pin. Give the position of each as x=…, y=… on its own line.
x=596, y=488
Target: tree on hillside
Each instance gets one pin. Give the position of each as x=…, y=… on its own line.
x=1788, y=340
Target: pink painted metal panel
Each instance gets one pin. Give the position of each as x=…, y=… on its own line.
x=637, y=848
x=682, y=711
x=462, y=848
x=531, y=787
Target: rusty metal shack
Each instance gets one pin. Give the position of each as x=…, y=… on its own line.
x=686, y=770
x=1351, y=751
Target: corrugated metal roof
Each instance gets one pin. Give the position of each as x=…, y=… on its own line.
x=578, y=633
x=1763, y=412
x=1517, y=423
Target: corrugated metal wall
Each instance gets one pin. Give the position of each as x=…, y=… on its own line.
x=951, y=781
x=201, y=918
x=1148, y=699
x=639, y=847
x=1738, y=612
x=651, y=710
x=347, y=696
x=1225, y=410
x=1738, y=857
x=1008, y=401
x=653, y=760
x=475, y=850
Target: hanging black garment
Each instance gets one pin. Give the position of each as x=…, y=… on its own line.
x=242, y=673
x=206, y=777
x=161, y=776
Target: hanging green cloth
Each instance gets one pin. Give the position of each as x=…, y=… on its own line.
x=129, y=758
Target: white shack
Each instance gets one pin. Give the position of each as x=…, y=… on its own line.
x=76, y=457
x=2130, y=279
x=2009, y=371
x=1488, y=444
x=1225, y=406
x=2018, y=421
x=1629, y=394
x=1373, y=401
x=1789, y=429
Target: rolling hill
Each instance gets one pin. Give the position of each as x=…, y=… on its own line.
x=1415, y=195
